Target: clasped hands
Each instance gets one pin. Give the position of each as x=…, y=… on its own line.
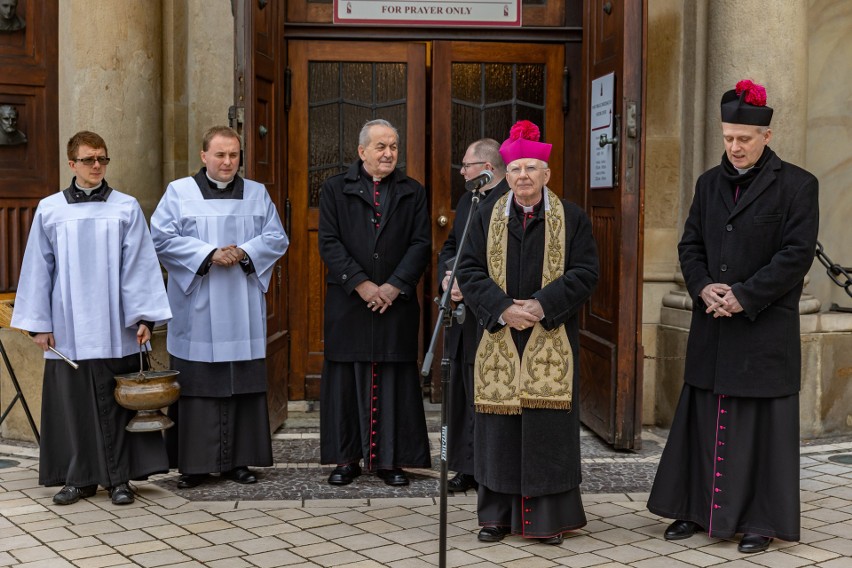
x=523, y=314
x=378, y=298
x=228, y=256
x=720, y=300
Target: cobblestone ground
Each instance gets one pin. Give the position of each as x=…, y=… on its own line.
x=293, y=518
x=298, y=474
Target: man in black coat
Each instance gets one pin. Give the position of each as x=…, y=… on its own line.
x=731, y=463
x=532, y=265
x=482, y=155
x=375, y=238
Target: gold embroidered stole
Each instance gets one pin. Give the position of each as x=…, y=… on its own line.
x=504, y=383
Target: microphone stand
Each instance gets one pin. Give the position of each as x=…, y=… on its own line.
x=445, y=320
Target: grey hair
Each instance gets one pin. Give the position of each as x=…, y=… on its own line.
x=364, y=136
x=488, y=150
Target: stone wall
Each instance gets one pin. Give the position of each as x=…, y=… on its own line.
x=150, y=77
x=800, y=54
x=829, y=134
x=110, y=82
x=27, y=363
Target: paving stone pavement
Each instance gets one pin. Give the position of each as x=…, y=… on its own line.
x=292, y=517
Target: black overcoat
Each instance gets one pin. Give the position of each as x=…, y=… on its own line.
x=537, y=452
x=763, y=246
x=355, y=251
x=464, y=336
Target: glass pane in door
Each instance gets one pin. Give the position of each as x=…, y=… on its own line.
x=487, y=98
x=342, y=96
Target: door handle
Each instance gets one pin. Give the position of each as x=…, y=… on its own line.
x=604, y=140
x=443, y=221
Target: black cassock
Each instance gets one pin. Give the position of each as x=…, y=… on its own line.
x=731, y=462
x=371, y=402
x=90, y=446
x=217, y=429
x=462, y=340
x=528, y=465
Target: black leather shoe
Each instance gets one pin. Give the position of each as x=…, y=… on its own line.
x=241, y=475
x=344, y=474
x=70, y=494
x=753, y=543
x=493, y=534
x=461, y=483
x=190, y=480
x=121, y=494
x=554, y=540
x=682, y=529
x=395, y=477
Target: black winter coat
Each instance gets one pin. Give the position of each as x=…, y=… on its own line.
x=464, y=336
x=537, y=452
x=763, y=246
x=355, y=251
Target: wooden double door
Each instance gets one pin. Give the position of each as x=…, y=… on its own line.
x=441, y=96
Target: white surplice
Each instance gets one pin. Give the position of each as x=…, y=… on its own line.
x=90, y=274
x=220, y=316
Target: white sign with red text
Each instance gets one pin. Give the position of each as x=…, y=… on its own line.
x=429, y=12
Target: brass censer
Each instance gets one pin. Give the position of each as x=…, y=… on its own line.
x=147, y=392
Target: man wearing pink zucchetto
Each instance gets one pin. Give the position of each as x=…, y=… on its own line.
x=731, y=463
x=532, y=265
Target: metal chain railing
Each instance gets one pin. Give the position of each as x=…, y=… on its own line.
x=666, y=357
x=838, y=274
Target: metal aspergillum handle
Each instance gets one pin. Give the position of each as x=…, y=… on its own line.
x=64, y=358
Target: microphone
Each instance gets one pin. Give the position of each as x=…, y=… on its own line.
x=481, y=180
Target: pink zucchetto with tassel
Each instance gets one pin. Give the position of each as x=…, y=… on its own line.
x=523, y=142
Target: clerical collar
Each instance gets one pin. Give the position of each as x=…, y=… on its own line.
x=513, y=202
x=74, y=193
x=527, y=209
x=743, y=170
x=372, y=179
x=87, y=190
x=218, y=184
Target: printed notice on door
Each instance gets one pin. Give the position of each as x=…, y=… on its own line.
x=469, y=13
x=602, y=128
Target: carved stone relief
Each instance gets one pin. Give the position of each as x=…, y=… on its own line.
x=10, y=21
x=9, y=133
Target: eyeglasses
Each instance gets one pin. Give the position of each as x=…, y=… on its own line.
x=90, y=161
x=469, y=164
x=518, y=170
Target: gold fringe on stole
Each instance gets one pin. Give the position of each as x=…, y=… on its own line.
x=497, y=409
x=502, y=385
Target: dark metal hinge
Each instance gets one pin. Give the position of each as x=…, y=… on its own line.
x=288, y=89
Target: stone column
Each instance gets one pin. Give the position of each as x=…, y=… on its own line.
x=767, y=43
x=110, y=82
x=830, y=134
x=198, y=80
